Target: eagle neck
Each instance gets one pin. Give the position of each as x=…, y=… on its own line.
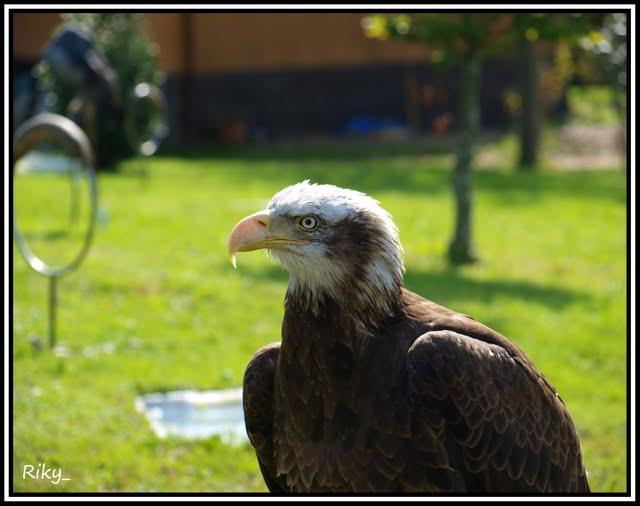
x=347, y=318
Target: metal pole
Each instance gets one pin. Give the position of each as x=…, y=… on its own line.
x=65, y=133
x=53, y=304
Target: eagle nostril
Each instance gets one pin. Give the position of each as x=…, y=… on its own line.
x=262, y=223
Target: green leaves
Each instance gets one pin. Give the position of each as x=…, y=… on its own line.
x=454, y=37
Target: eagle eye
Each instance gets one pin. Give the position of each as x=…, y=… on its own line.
x=309, y=222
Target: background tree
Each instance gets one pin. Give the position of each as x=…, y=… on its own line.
x=528, y=30
x=465, y=41
x=462, y=41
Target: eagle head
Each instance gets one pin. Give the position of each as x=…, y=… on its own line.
x=336, y=243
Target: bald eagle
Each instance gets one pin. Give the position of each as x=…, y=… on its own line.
x=376, y=389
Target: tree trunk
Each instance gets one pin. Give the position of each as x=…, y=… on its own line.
x=461, y=250
x=530, y=107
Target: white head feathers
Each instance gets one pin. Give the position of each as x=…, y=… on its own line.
x=357, y=253
x=334, y=202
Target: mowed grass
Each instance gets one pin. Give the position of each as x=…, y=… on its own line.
x=157, y=306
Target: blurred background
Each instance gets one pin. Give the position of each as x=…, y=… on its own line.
x=496, y=141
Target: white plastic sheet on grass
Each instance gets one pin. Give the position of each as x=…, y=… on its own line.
x=196, y=415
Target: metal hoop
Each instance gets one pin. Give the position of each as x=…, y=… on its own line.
x=53, y=127
x=141, y=92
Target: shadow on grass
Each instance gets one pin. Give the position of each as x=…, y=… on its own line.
x=383, y=169
x=322, y=151
x=523, y=187
x=449, y=287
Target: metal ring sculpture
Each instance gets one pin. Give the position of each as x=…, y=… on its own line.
x=143, y=144
x=65, y=133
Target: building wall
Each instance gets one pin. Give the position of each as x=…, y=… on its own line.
x=229, y=42
x=31, y=31
x=166, y=30
x=279, y=74
x=244, y=42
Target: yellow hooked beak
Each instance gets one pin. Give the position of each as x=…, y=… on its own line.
x=253, y=232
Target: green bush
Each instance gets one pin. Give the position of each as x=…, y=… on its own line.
x=118, y=36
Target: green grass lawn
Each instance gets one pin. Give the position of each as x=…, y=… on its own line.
x=158, y=293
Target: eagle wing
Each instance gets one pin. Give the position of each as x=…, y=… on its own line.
x=257, y=403
x=504, y=426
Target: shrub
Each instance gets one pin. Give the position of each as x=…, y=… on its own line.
x=119, y=38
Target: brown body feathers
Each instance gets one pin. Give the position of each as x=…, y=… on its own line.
x=435, y=402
